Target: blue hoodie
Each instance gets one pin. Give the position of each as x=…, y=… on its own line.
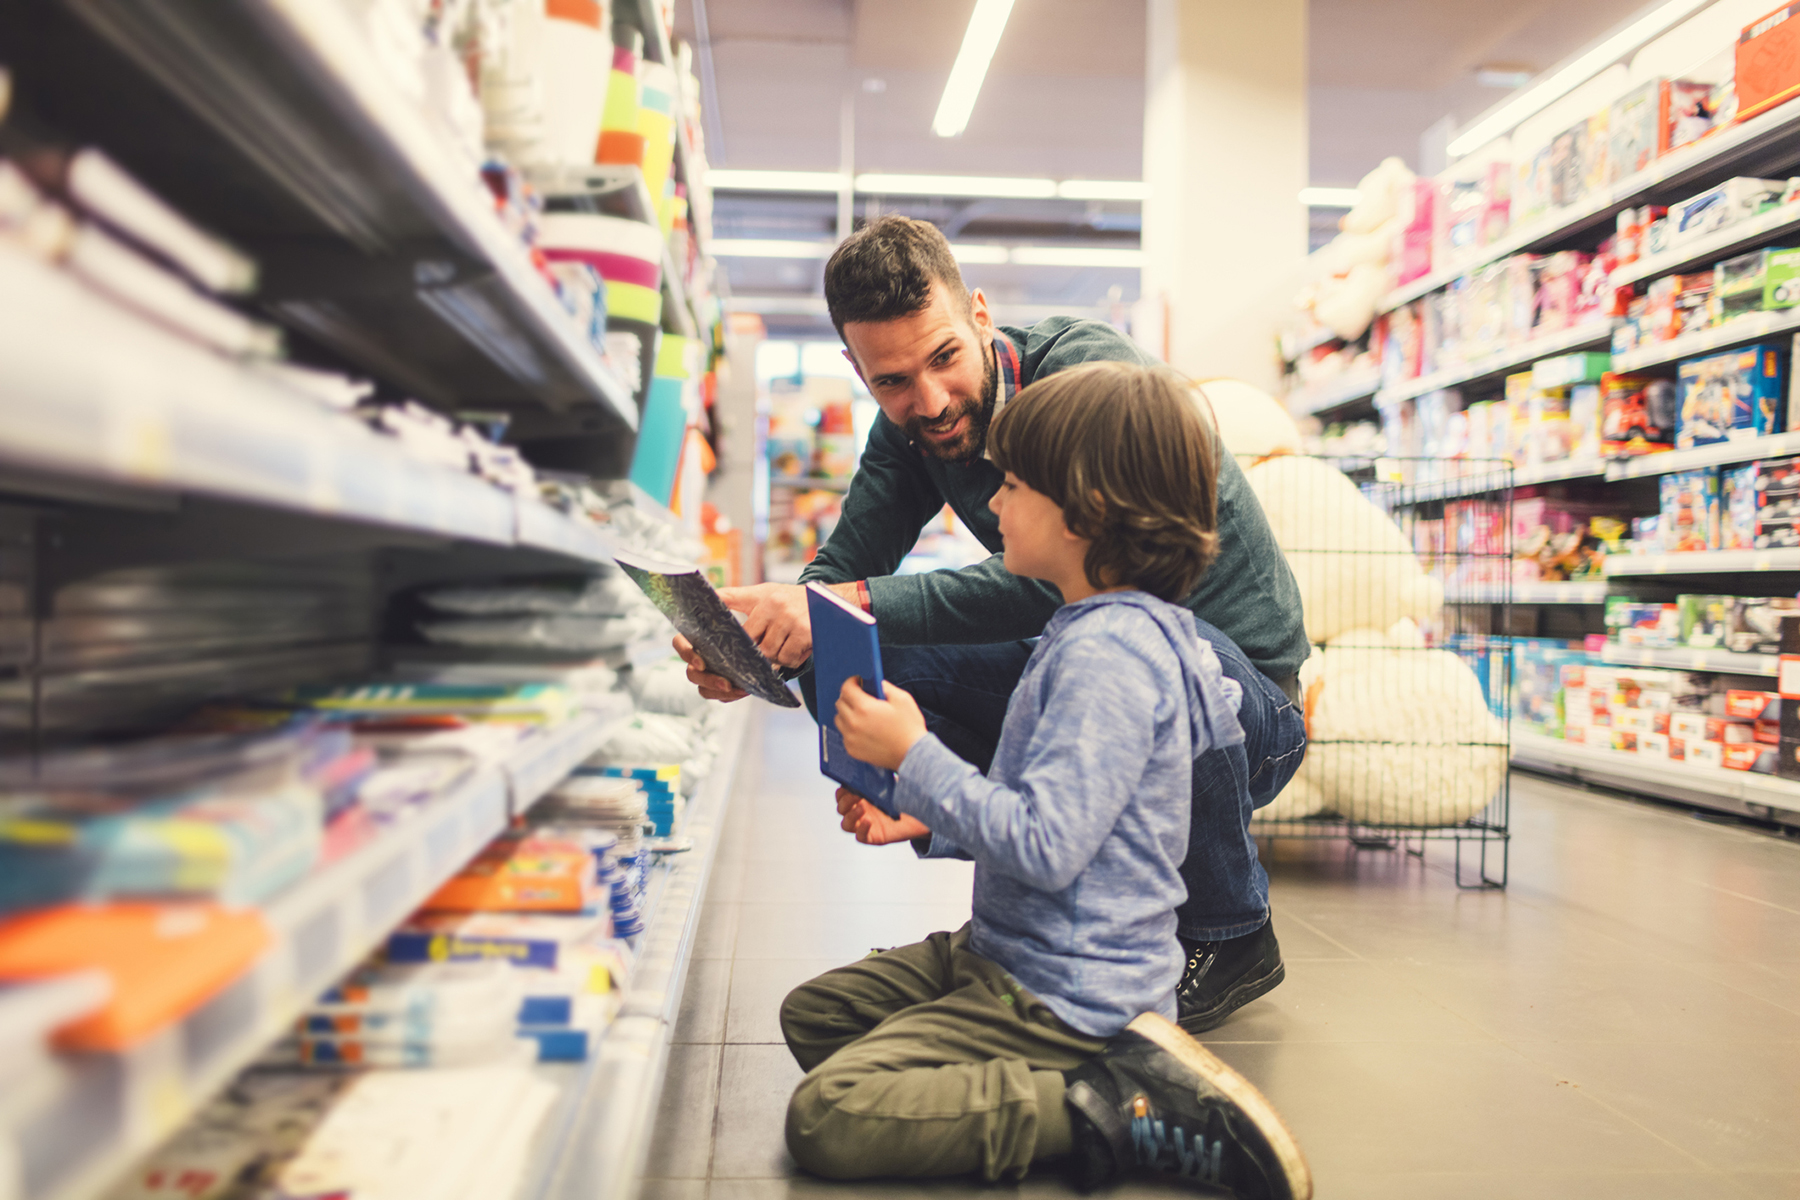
x=1080, y=826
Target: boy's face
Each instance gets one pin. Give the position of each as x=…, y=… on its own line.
x=1038, y=543
x=932, y=372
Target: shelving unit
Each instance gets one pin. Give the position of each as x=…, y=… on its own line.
x=1709, y=248
x=1751, y=327
x=1711, y=562
x=1746, y=792
x=1685, y=659
x=1338, y=393
x=1492, y=366
x=112, y=1109
x=1585, y=592
x=1776, y=446
x=1476, y=485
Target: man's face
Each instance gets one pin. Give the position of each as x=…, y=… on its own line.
x=932, y=372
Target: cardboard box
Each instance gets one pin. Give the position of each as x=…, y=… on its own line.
x=1727, y=204
x=1741, y=758
x=1654, y=745
x=1566, y=369
x=1781, y=280
x=1787, y=686
x=1638, y=414
x=1732, y=396
x=1737, y=509
x=1677, y=749
x=1749, y=705
x=1690, y=510
x=1633, y=132
x=1689, y=111
x=1688, y=727
x=1768, y=62
x=1705, y=754
x=1778, y=504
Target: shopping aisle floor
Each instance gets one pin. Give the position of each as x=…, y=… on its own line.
x=1622, y=1024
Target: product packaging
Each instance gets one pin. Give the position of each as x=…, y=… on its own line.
x=1568, y=166
x=1633, y=130
x=1788, y=763
x=1584, y=421
x=1778, y=504
x=1755, y=623
x=1690, y=510
x=1689, y=112
x=1730, y=396
x=1718, y=207
x=1531, y=188
x=1767, y=69
x=1704, y=620
x=1637, y=414
x=1781, y=279
x=1737, y=507
x=1740, y=284
x=1566, y=369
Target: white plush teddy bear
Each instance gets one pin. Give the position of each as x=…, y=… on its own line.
x=1250, y=422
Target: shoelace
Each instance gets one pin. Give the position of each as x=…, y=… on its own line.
x=1194, y=1158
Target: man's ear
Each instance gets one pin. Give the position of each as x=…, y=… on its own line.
x=855, y=366
x=980, y=314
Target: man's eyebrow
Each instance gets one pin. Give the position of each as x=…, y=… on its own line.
x=942, y=346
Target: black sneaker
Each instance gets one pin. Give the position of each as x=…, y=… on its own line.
x=1155, y=1098
x=1221, y=977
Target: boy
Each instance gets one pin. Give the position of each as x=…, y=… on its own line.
x=1043, y=1027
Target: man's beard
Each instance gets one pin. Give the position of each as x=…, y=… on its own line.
x=979, y=410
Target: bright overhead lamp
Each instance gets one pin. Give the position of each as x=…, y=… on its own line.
x=1075, y=256
x=975, y=252
x=1006, y=187
x=770, y=248
x=1329, y=197
x=1565, y=80
x=774, y=181
x=1103, y=189
x=971, y=67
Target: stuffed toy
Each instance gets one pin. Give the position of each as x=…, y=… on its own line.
x=1250, y=423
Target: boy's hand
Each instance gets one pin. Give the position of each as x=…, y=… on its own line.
x=873, y=827
x=879, y=732
x=712, y=687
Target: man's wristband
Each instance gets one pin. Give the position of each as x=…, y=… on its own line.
x=862, y=596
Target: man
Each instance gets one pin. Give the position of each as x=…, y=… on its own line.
x=933, y=359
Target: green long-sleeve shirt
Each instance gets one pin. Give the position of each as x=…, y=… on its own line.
x=1248, y=593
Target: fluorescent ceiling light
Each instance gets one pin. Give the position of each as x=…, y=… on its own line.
x=1329, y=197
x=774, y=181
x=1566, y=79
x=979, y=41
x=1103, y=189
x=974, y=252
x=770, y=248
x=1075, y=256
x=1010, y=187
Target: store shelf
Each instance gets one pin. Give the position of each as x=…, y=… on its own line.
x=1707, y=562
x=1687, y=659
x=1748, y=328
x=1669, y=778
x=812, y=483
x=1294, y=347
x=1336, y=393
x=1585, y=592
x=1709, y=248
x=1594, y=333
x=678, y=310
x=376, y=235
x=160, y=413
x=618, y=188
x=1752, y=148
x=114, y=1108
x=598, y=1139
x=1775, y=446
x=1495, y=481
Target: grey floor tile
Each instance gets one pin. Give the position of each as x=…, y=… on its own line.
x=673, y=1189
x=861, y=875
x=1344, y=1001
x=758, y=986
x=1778, y=983
x=682, y=1146
x=717, y=932
x=703, y=1001
x=841, y=932
x=1526, y=1185
x=749, y=1142
x=1300, y=942
x=1768, y=1185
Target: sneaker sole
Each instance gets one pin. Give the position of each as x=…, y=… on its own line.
x=1172, y=1038
x=1235, y=999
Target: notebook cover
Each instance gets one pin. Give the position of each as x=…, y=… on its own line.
x=846, y=643
x=685, y=597
x=164, y=960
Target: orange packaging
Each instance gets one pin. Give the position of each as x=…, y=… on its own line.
x=1747, y=706
x=530, y=875
x=1768, y=732
x=1741, y=758
x=164, y=960
x=1678, y=749
x=1768, y=62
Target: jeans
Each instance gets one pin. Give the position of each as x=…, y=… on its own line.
x=963, y=692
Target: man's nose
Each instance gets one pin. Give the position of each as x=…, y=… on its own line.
x=933, y=399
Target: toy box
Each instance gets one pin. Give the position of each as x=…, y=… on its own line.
x=1689, y=112
x=1676, y=304
x=1704, y=620
x=1690, y=511
x=1730, y=202
x=1632, y=131
x=1768, y=62
x=1640, y=623
x=1729, y=396
x=1778, y=504
x=1584, y=421
x=1637, y=414
x=1705, y=754
x=1781, y=279
x=1568, y=165
x=1754, y=623
x=1740, y=284
x=1531, y=188
x=1566, y=369
x=1737, y=507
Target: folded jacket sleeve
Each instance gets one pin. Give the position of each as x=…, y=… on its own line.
x=975, y=605
x=1087, y=753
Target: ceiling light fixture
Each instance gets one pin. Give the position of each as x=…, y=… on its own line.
x=975, y=252
x=971, y=67
x=1103, y=189
x=770, y=248
x=1009, y=187
x=774, y=181
x=1076, y=256
x=1323, y=197
x=1566, y=79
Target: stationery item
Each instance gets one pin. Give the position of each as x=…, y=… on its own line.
x=163, y=960
x=531, y=703
x=684, y=596
x=520, y=875
x=846, y=644
x=525, y=941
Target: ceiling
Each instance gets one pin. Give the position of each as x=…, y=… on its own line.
x=1064, y=98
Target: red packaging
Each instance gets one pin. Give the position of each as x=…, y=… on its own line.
x=1637, y=414
x=1768, y=62
x=1688, y=112
x=1742, y=758
x=1748, y=705
x=1733, y=733
x=1677, y=749
x=1768, y=732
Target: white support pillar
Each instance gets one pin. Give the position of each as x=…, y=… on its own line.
x=1225, y=155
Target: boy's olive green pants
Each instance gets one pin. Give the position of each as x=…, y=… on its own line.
x=927, y=1060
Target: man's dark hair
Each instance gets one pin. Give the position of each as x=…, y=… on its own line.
x=1126, y=454
x=884, y=271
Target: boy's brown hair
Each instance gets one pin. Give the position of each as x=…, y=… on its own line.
x=1124, y=451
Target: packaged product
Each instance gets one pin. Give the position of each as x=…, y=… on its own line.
x=1521, y=295
x=1768, y=62
x=530, y=874
x=1704, y=620
x=1566, y=369
x=1755, y=623
x=1531, y=188
x=1549, y=432
x=1559, y=291
x=1778, y=504
x=1584, y=421
x=1740, y=284
x=1487, y=313
x=1632, y=131
x=1690, y=510
x=1689, y=112
x=1412, y=241
x=1746, y=705
x=1729, y=396
x=1705, y=754
x=1637, y=414
x=1400, y=353
x=1653, y=745
x=1737, y=507
x=1568, y=166
x=1730, y=202
x=1781, y=279
x=1642, y=623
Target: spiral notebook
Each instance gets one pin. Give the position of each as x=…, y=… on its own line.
x=846, y=643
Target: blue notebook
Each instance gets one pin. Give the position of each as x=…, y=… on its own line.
x=845, y=644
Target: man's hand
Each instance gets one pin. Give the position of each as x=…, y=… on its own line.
x=775, y=617
x=873, y=827
x=878, y=731
x=712, y=687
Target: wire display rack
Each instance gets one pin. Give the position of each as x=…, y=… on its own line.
x=1409, y=687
